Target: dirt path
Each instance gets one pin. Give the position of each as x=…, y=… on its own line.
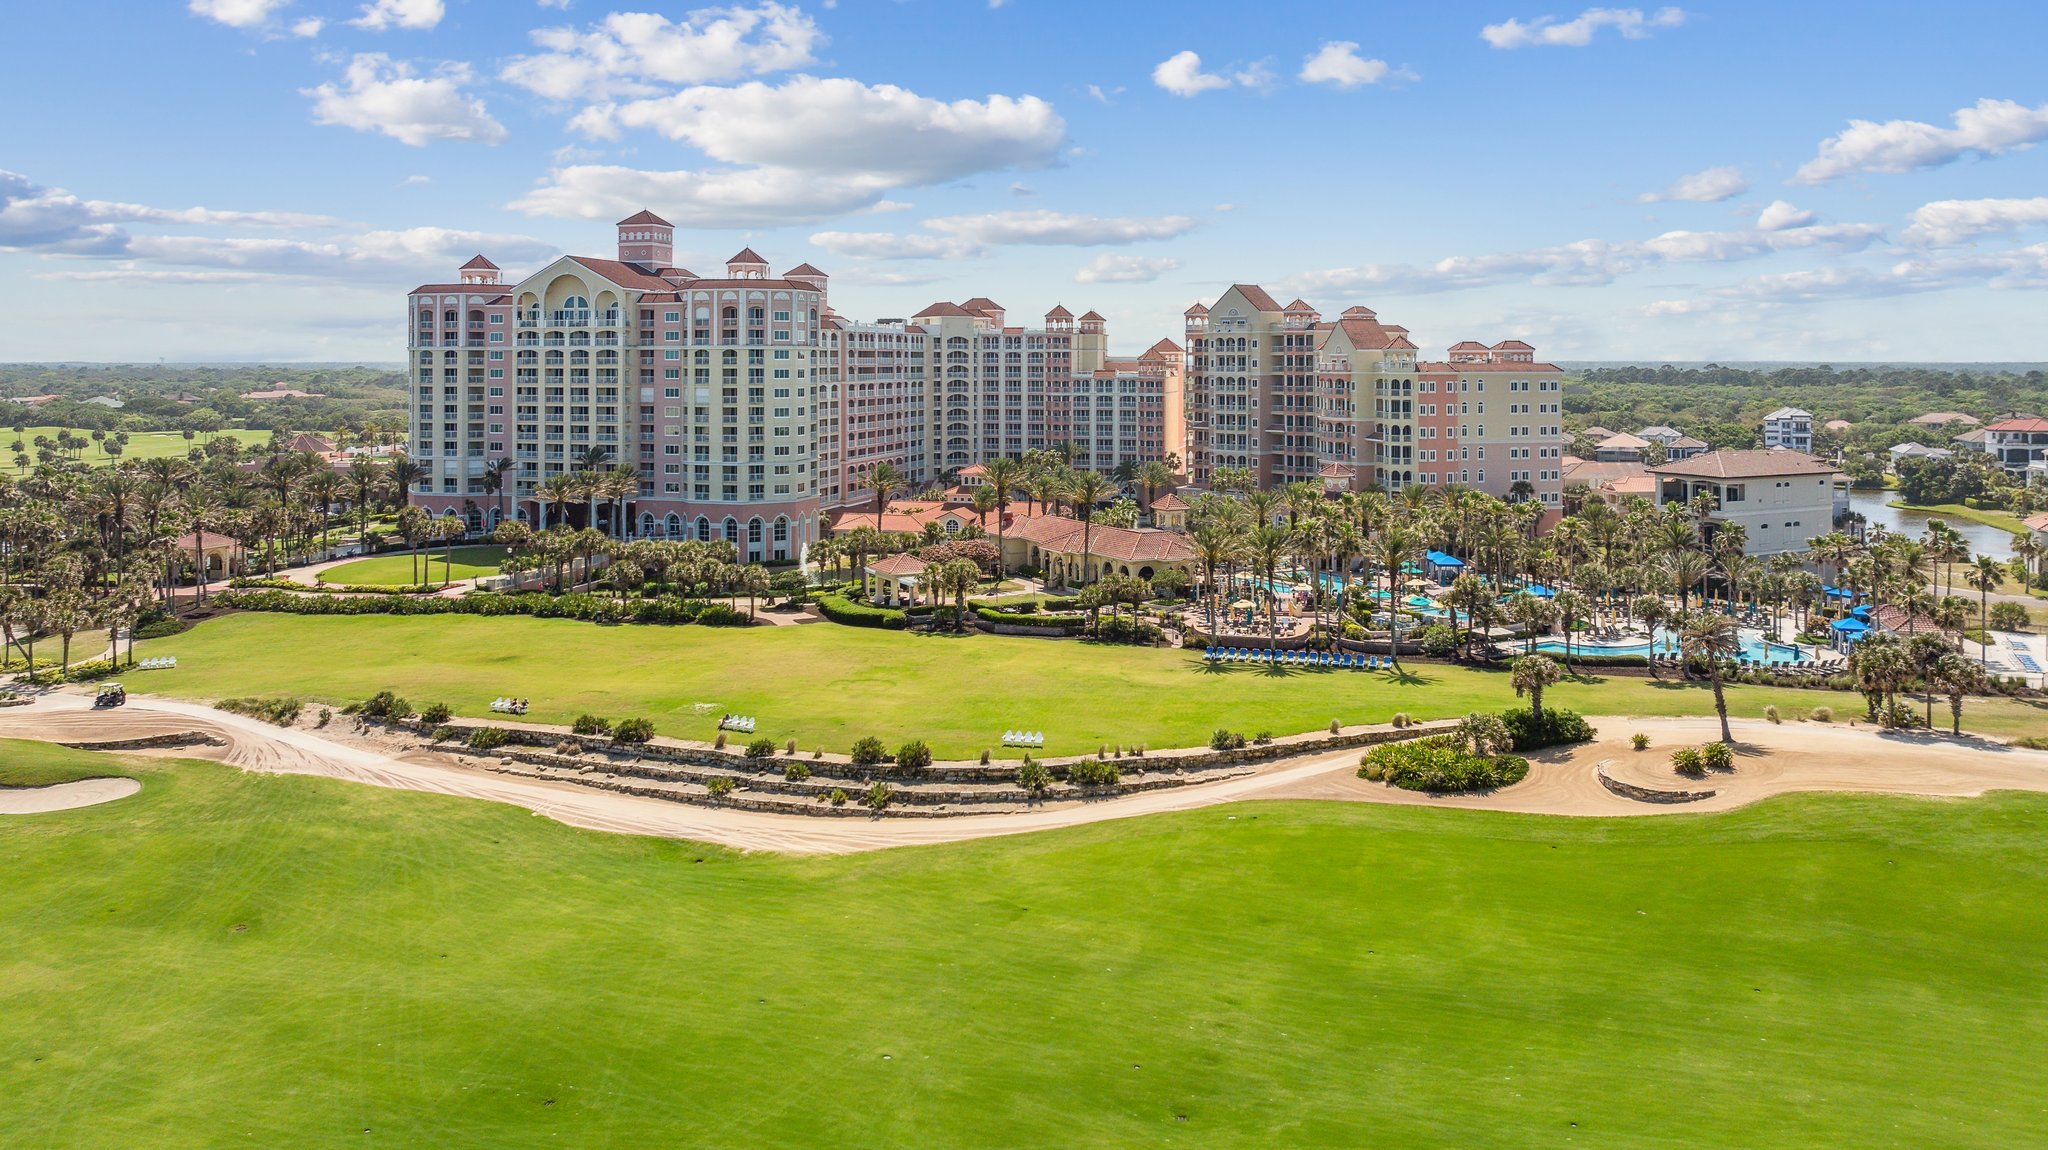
x=1771, y=760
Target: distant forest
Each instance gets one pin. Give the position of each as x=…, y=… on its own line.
x=174, y=397
x=1726, y=405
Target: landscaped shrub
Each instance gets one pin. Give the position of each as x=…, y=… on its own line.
x=1118, y=629
x=161, y=627
x=1579, y=660
x=1440, y=765
x=1717, y=756
x=2032, y=742
x=1226, y=740
x=913, y=756
x=632, y=731
x=837, y=798
x=1822, y=714
x=877, y=797
x=1688, y=761
x=996, y=617
x=840, y=609
x=789, y=747
x=1640, y=741
x=796, y=772
x=719, y=742
x=580, y=605
x=2009, y=617
x=868, y=752
x=384, y=705
x=1898, y=717
x=326, y=716
x=719, y=786
x=1093, y=773
x=591, y=725
x=1034, y=777
x=488, y=738
x=441, y=734
x=281, y=712
x=1403, y=720
x=1771, y=714
x=1439, y=640
x=434, y=714
x=984, y=757
x=761, y=748
x=1558, y=727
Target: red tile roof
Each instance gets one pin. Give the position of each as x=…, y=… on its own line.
x=1751, y=464
x=945, y=309
x=1198, y=308
x=804, y=269
x=747, y=256
x=480, y=262
x=2036, y=522
x=210, y=542
x=905, y=564
x=982, y=303
x=1256, y=296
x=2028, y=424
x=1458, y=368
x=1123, y=544
x=626, y=275
x=643, y=216
x=1059, y=311
x=1168, y=501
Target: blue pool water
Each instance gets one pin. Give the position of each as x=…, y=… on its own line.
x=1755, y=648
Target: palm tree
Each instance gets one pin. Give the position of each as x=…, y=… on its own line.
x=1712, y=637
x=1084, y=490
x=884, y=480
x=1571, y=608
x=1215, y=545
x=1152, y=475
x=1394, y=547
x=1266, y=546
x=1531, y=674
x=1981, y=576
x=1955, y=676
x=1002, y=475
x=496, y=479
x=1532, y=613
x=753, y=580
x=364, y=479
x=1880, y=666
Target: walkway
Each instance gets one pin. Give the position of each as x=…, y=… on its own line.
x=1772, y=760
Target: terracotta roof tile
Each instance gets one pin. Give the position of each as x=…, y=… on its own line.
x=1747, y=464
x=643, y=216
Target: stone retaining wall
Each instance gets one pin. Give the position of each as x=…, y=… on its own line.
x=1647, y=794
x=152, y=742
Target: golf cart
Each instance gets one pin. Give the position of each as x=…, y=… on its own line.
x=110, y=695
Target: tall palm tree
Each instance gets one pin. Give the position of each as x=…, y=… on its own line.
x=1267, y=545
x=1712, y=636
x=1003, y=475
x=364, y=478
x=497, y=478
x=884, y=480
x=553, y=491
x=1955, y=677
x=1981, y=576
x=1215, y=545
x=1152, y=475
x=1084, y=490
x=1395, y=546
x=1571, y=608
x=1531, y=674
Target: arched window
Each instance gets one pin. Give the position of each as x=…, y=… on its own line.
x=732, y=530
x=703, y=530
x=673, y=525
x=647, y=522
x=781, y=529
x=575, y=303
x=753, y=531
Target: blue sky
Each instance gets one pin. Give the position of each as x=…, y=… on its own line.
x=264, y=179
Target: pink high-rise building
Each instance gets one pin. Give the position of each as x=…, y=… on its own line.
x=1289, y=396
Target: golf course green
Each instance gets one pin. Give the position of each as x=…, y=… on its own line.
x=252, y=960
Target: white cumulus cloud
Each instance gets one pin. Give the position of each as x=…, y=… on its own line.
x=416, y=14
x=379, y=94
x=1060, y=228
x=1707, y=187
x=734, y=198
x=1338, y=62
x=1780, y=215
x=1945, y=223
x=1113, y=268
x=631, y=53
x=1549, y=31
x=1987, y=128
x=1181, y=74
x=238, y=13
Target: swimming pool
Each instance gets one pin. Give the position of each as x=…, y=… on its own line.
x=1755, y=648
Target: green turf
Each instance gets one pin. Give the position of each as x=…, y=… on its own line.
x=43, y=765
x=400, y=570
x=827, y=685
x=253, y=960
x=141, y=444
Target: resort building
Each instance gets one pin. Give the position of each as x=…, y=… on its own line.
x=1071, y=554
x=2017, y=442
x=1621, y=449
x=1780, y=498
x=1610, y=481
x=1955, y=419
x=1790, y=428
x=1349, y=403
x=1676, y=443
x=747, y=407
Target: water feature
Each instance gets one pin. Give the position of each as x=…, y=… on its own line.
x=1876, y=511
x=1755, y=648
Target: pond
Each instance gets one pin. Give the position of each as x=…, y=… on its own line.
x=1876, y=512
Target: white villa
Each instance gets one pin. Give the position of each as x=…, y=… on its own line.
x=1781, y=498
x=1790, y=428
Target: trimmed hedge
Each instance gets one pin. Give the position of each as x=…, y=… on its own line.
x=1438, y=765
x=580, y=605
x=279, y=583
x=840, y=609
x=1559, y=726
x=997, y=618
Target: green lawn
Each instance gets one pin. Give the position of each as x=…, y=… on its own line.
x=827, y=685
x=2003, y=520
x=141, y=444
x=400, y=570
x=252, y=960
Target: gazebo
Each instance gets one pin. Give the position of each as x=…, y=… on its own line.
x=219, y=555
x=892, y=580
x=1843, y=633
x=1444, y=568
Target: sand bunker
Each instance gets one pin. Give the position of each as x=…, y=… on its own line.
x=64, y=796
